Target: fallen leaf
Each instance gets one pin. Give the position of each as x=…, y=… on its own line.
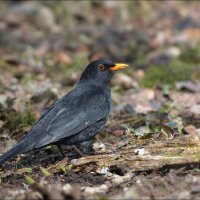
x=195, y=109
x=190, y=129
x=183, y=99
x=140, y=100
x=63, y=57
x=188, y=85
x=167, y=130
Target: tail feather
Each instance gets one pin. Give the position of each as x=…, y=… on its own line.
x=21, y=147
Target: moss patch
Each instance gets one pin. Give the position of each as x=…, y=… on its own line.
x=186, y=67
x=167, y=74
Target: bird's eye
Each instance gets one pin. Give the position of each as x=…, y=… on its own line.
x=101, y=67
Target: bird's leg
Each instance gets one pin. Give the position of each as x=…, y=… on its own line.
x=78, y=151
x=61, y=150
x=84, y=148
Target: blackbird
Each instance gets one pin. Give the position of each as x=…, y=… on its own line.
x=75, y=118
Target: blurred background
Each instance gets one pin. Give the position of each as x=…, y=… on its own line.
x=45, y=45
x=44, y=48
x=59, y=37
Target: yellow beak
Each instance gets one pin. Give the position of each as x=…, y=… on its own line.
x=118, y=66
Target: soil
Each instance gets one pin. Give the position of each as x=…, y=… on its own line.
x=150, y=146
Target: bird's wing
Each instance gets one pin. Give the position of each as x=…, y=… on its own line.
x=71, y=120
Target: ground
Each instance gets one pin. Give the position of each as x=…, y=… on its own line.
x=149, y=148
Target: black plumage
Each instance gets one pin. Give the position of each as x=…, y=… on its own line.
x=75, y=118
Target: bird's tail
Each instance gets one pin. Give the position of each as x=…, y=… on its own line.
x=21, y=147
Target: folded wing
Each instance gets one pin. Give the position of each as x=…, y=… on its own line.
x=71, y=120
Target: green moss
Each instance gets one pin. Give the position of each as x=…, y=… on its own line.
x=101, y=197
x=190, y=55
x=167, y=74
x=197, y=156
x=166, y=107
x=184, y=67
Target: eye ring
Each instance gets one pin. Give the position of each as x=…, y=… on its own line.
x=101, y=67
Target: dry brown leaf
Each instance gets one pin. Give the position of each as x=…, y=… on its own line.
x=184, y=99
x=63, y=57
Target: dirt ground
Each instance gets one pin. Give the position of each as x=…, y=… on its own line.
x=99, y=176
x=150, y=147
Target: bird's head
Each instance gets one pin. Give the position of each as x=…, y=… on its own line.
x=100, y=72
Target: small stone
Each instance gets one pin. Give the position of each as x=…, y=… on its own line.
x=124, y=81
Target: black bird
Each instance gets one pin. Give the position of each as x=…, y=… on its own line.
x=75, y=118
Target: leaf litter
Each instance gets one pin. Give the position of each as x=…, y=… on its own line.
x=150, y=145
